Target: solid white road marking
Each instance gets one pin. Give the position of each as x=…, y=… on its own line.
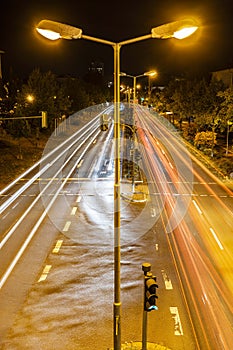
x=175, y=315
x=57, y=246
x=45, y=272
x=167, y=281
x=67, y=226
x=216, y=238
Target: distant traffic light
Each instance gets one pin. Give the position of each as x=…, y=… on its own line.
x=104, y=121
x=44, y=122
x=138, y=156
x=150, y=295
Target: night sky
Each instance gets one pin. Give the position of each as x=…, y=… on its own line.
x=209, y=49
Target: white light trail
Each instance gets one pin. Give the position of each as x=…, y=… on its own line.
x=216, y=238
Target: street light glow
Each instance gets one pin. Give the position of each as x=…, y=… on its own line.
x=30, y=98
x=49, y=34
x=151, y=73
x=178, y=29
x=185, y=32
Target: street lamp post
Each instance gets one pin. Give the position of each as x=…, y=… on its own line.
x=55, y=30
x=149, y=74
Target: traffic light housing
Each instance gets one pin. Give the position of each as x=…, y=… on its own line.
x=104, y=121
x=44, y=123
x=150, y=295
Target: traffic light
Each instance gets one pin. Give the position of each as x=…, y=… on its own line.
x=104, y=121
x=150, y=293
x=44, y=123
x=138, y=156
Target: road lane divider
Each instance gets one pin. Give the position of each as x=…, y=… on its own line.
x=78, y=200
x=178, y=330
x=73, y=211
x=167, y=280
x=45, y=273
x=216, y=238
x=57, y=247
x=67, y=226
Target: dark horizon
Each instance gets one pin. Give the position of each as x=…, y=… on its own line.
x=208, y=50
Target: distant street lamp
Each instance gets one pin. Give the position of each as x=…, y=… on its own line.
x=149, y=74
x=30, y=98
x=55, y=30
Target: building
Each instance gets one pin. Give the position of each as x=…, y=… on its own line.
x=225, y=75
x=96, y=67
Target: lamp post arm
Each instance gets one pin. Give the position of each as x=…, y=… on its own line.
x=106, y=42
x=125, y=42
x=134, y=40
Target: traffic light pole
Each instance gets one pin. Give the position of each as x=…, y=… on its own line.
x=146, y=267
x=144, y=330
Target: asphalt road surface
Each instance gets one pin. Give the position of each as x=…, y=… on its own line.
x=59, y=294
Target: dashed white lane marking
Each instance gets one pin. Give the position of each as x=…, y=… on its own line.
x=178, y=330
x=167, y=280
x=15, y=205
x=57, y=246
x=5, y=215
x=73, y=211
x=197, y=207
x=45, y=273
x=216, y=238
x=67, y=226
x=78, y=199
x=80, y=163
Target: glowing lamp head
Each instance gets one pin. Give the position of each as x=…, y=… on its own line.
x=56, y=30
x=184, y=32
x=49, y=34
x=179, y=29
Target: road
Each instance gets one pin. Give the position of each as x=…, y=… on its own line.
x=59, y=293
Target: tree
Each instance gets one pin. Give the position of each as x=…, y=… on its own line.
x=205, y=138
x=226, y=107
x=46, y=95
x=75, y=89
